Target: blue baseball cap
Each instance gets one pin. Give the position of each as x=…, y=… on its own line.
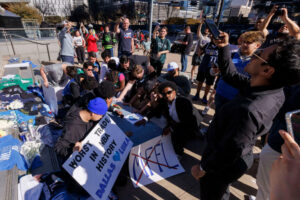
x=97, y=106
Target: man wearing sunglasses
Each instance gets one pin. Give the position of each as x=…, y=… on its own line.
x=88, y=68
x=250, y=42
x=235, y=127
x=183, y=120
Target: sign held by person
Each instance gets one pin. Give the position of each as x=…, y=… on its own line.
x=97, y=165
x=153, y=161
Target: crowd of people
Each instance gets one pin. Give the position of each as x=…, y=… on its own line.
x=251, y=85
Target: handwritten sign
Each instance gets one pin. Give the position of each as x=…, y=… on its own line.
x=153, y=161
x=103, y=154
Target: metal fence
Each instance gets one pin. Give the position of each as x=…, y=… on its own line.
x=34, y=43
x=30, y=33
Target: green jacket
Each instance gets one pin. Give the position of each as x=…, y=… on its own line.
x=108, y=40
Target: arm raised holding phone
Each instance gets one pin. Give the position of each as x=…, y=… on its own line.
x=227, y=68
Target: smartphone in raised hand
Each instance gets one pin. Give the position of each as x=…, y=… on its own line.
x=213, y=28
x=293, y=124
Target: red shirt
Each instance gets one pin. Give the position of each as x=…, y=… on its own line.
x=91, y=44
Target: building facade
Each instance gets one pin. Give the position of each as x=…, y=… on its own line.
x=54, y=7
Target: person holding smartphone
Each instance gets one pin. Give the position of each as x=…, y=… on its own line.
x=92, y=39
x=203, y=39
x=236, y=126
x=125, y=36
x=67, y=51
x=160, y=46
x=187, y=47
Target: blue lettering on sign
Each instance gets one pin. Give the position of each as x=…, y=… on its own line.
x=124, y=145
x=105, y=180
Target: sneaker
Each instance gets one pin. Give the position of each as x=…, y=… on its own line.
x=193, y=81
x=250, y=197
x=205, y=111
x=204, y=100
x=196, y=97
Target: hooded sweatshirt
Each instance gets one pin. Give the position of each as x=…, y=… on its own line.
x=75, y=130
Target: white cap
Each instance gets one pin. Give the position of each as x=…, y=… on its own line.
x=65, y=22
x=172, y=66
x=116, y=59
x=90, y=25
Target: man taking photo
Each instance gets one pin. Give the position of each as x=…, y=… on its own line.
x=235, y=127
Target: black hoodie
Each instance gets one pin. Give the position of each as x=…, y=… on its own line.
x=75, y=130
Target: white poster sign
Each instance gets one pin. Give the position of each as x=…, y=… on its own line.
x=103, y=154
x=153, y=161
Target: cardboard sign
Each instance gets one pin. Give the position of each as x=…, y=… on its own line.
x=153, y=161
x=103, y=154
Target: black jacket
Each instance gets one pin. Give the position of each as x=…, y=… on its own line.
x=74, y=131
x=188, y=115
x=235, y=127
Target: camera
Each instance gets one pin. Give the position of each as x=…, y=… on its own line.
x=279, y=11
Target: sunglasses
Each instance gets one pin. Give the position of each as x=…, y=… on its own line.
x=257, y=54
x=89, y=70
x=167, y=93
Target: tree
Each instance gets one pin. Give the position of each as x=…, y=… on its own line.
x=53, y=19
x=25, y=11
x=175, y=20
x=67, y=8
x=93, y=5
x=43, y=6
x=79, y=14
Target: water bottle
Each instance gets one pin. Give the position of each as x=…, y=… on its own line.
x=31, y=128
x=23, y=129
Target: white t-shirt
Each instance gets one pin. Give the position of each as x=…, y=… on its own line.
x=203, y=40
x=78, y=41
x=173, y=112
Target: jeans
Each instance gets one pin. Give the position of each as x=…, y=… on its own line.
x=184, y=60
x=68, y=59
x=111, y=52
x=126, y=53
x=50, y=98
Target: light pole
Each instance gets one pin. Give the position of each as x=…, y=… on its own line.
x=219, y=17
x=150, y=18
